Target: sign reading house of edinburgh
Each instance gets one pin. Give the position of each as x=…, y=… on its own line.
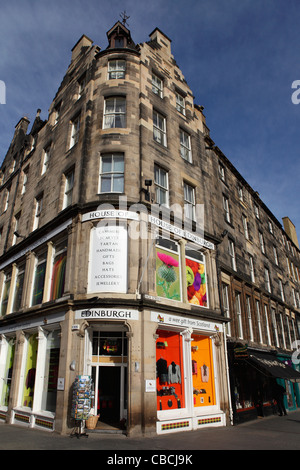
x=110, y=213
x=108, y=260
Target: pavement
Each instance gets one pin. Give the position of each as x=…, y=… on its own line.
x=270, y=433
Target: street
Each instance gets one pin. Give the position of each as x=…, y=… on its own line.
x=271, y=433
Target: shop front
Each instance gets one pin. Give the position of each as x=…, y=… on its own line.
x=252, y=377
x=188, y=373
x=29, y=365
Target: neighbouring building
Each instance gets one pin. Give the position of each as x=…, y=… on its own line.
x=124, y=255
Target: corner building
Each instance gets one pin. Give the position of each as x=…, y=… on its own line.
x=103, y=268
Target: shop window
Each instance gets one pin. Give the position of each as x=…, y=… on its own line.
x=9, y=348
x=202, y=371
x=59, y=271
x=49, y=391
x=168, y=282
x=39, y=279
x=109, y=343
x=196, y=278
x=29, y=372
x=169, y=371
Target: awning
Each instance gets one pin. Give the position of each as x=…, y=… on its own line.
x=274, y=366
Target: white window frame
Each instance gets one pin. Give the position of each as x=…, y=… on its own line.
x=159, y=187
x=46, y=159
x=226, y=208
x=157, y=85
x=267, y=280
x=180, y=103
x=251, y=267
x=159, y=128
x=226, y=306
x=37, y=212
x=261, y=242
x=281, y=290
x=238, y=309
x=249, y=315
x=274, y=324
x=245, y=226
x=116, y=69
x=189, y=201
x=68, y=189
x=114, y=114
x=267, y=325
x=113, y=174
x=258, y=317
x=185, y=146
x=231, y=251
x=75, y=129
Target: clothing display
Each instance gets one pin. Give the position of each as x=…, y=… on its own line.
x=162, y=370
x=169, y=386
x=204, y=373
x=174, y=375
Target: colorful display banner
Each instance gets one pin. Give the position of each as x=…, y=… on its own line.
x=196, y=282
x=167, y=274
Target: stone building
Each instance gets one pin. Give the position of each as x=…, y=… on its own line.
x=113, y=255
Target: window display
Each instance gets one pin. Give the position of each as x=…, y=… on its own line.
x=49, y=392
x=8, y=372
x=169, y=383
x=168, y=283
x=196, y=278
x=58, y=272
x=202, y=370
x=30, y=369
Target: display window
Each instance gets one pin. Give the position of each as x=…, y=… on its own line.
x=29, y=373
x=49, y=392
x=168, y=282
x=202, y=371
x=7, y=372
x=196, y=278
x=169, y=371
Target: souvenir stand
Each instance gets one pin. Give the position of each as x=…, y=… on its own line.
x=83, y=395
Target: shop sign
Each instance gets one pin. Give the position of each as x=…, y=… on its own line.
x=108, y=259
x=192, y=237
x=110, y=213
x=107, y=314
x=168, y=319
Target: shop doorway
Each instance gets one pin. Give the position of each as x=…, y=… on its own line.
x=109, y=374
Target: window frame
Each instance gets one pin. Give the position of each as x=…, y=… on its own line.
x=118, y=71
x=116, y=114
x=185, y=146
x=189, y=204
x=113, y=174
x=159, y=188
x=159, y=131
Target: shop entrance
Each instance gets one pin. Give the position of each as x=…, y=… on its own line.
x=109, y=374
x=110, y=384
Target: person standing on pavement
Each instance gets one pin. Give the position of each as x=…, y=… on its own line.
x=278, y=395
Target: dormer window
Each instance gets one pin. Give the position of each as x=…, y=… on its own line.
x=119, y=41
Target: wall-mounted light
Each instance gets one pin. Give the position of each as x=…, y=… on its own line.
x=18, y=235
x=73, y=365
x=148, y=183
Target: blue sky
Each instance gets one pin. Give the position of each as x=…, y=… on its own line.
x=239, y=57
